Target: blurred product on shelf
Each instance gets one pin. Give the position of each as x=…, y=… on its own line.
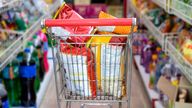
x=20, y=19
x=156, y=63
x=10, y=75
x=167, y=24
x=21, y=74
x=27, y=72
x=3, y=97
x=186, y=50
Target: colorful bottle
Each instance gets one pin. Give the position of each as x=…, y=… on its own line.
x=144, y=43
x=3, y=95
x=163, y=59
x=152, y=68
x=27, y=72
x=147, y=57
x=45, y=50
x=21, y=25
x=11, y=80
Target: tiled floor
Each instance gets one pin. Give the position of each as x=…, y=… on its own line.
x=138, y=99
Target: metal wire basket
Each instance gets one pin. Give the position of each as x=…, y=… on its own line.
x=95, y=73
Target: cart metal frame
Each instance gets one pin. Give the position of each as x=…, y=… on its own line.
x=62, y=90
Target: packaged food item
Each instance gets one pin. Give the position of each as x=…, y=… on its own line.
x=65, y=12
x=166, y=26
x=112, y=70
x=80, y=71
x=184, y=34
x=108, y=52
x=187, y=50
x=114, y=29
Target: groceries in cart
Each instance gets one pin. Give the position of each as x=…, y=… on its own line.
x=94, y=65
x=65, y=12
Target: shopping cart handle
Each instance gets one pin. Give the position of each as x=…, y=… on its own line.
x=88, y=22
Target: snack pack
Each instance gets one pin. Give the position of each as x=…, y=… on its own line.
x=114, y=29
x=108, y=53
x=65, y=12
x=112, y=70
x=79, y=67
x=187, y=50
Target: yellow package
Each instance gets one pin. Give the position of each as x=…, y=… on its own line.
x=187, y=50
x=114, y=29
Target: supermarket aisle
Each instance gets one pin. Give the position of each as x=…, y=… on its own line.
x=139, y=97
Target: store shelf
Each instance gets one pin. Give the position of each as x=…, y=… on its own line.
x=154, y=30
x=145, y=77
x=9, y=5
x=178, y=58
x=161, y=3
x=182, y=10
x=176, y=7
x=176, y=55
x=150, y=26
x=12, y=50
x=9, y=49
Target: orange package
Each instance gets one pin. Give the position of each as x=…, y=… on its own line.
x=114, y=29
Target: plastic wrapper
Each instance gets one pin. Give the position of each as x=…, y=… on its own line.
x=112, y=70
x=109, y=63
x=79, y=67
x=187, y=50
x=114, y=29
x=65, y=12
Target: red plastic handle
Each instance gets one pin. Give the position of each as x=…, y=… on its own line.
x=89, y=22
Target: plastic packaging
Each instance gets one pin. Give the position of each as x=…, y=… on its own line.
x=115, y=29
x=187, y=50
x=80, y=71
x=65, y=12
x=112, y=69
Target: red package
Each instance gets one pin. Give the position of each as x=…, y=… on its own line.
x=116, y=41
x=65, y=12
x=81, y=58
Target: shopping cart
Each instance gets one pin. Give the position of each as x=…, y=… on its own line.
x=76, y=69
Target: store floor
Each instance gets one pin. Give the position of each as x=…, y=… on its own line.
x=139, y=98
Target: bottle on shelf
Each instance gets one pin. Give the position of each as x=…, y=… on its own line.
x=147, y=56
x=3, y=97
x=33, y=52
x=10, y=75
x=152, y=68
x=21, y=25
x=27, y=72
x=44, y=49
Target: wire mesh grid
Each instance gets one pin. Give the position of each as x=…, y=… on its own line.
x=94, y=72
x=171, y=48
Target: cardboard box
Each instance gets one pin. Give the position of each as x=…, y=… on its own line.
x=172, y=92
x=82, y=2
